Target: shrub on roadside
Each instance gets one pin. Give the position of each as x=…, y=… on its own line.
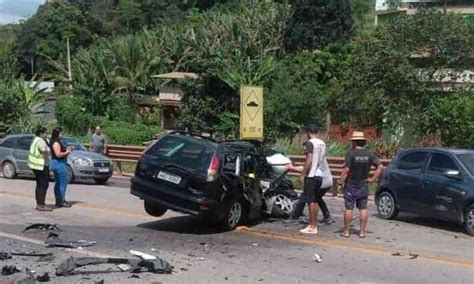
x=125, y=133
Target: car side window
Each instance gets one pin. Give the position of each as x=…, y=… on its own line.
x=24, y=143
x=8, y=143
x=440, y=164
x=413, y=162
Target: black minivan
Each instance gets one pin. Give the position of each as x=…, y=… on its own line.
x=437, y=183
x=198, y=176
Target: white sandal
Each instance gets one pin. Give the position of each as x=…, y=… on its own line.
x=309, y=230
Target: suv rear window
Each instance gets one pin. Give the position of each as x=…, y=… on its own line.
x=468, y=161
x=185, y=152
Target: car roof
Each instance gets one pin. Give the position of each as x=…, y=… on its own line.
x=455, y=151
x=18, y=136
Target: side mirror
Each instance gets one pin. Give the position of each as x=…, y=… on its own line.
x=453, y=174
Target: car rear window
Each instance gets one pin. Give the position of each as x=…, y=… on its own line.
x=185, y=152
x=468, y=161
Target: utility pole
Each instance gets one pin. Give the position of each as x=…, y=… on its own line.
x=69, y=62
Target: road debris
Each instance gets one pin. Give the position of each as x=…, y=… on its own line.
x=124, y=267
x=55, y=240
x=317, y=258
x=413, y=255
x=43, y=278
x=5, y=255
x=397, y=254
x=142, y=255
x=158, y=265
x=10, y=269
x=200, y=259
x=42, y=227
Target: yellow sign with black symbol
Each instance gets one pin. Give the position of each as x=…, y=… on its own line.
x=251, y=112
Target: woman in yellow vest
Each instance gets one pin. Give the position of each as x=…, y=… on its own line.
x=38, y=161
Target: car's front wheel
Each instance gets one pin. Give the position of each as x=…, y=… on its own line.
x=9, y=170
x=469, y=220
x=386, y=206
x=283, y=206
x=154, y=209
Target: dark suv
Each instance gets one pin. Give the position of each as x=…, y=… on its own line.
x=435, y=183
x=198, y=176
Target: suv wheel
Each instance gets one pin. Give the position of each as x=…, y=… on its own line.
x=386, y=206
x=154, y=209
x=9, y=170
x=469, y=220
x=283, y=206
x=234, y=215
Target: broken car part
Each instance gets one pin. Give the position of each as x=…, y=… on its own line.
x=69, y=266
x=42, y=227
x=9, y=270
x=142, y=255
x=54, y=240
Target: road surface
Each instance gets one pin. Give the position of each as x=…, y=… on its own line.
x=407, y=250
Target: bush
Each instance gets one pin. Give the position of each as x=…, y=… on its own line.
x=452, y=117
x=72, y=115
x=124, y=133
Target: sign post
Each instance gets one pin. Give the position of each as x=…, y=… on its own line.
x=251, y=112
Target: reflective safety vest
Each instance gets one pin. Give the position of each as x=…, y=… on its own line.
x=35, y=158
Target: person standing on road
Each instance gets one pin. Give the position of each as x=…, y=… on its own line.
x=38, y=161
x=59, y=153
x=326, y=185
x=312, y=175
x=355, y=177
x=99, y=141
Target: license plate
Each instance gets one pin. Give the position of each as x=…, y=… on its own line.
x=171, y=178
x=103, y=170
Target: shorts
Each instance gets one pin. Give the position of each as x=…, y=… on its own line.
x=357, y=196
x=311, y=190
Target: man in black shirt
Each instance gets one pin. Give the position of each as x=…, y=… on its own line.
x=355, y=177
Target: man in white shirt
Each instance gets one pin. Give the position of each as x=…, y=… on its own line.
x=312, y=175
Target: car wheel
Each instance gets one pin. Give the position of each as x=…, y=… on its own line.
x=9, y=170
x=469, y=220
x=386, y=206
x=101, y=180
x=234, y=216
x=283, y=206
x=70, y=175
x=154, y=209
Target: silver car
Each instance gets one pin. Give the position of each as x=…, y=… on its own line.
x=82, y=164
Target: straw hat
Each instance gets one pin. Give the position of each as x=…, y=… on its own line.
x=357, y=135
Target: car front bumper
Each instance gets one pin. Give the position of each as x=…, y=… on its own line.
x=92, y=172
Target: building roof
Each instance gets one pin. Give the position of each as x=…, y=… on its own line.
x=176, y=75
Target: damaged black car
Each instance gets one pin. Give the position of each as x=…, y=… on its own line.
x=225, y=182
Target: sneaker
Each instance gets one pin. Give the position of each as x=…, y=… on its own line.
x=309, y=230
x=43, y=208
x=328, y=221
x=63, y=205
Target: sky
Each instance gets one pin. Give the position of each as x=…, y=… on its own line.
x=14, y=10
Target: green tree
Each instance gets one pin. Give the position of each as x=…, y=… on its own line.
x=45, y=33
x=317, y=23
x=130, y=16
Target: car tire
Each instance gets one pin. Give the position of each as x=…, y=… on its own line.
x=234, y=215
x=469, y=220
x=154, y=209
x=283, y=206
x=70, y=175
x=386, y=206
x=101, y=181
x=9, y=170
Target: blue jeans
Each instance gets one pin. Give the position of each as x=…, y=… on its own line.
x=59, y=168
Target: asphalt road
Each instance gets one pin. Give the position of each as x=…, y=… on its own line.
x=407, y=250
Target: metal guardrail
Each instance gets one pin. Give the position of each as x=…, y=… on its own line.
x=131, y=154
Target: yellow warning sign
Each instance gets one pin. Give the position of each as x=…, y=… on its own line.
x=251, y=112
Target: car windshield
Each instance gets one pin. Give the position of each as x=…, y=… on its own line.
x=74, y=143
x=184, y=152
x=468, y=161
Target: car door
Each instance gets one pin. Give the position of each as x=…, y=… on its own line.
x=405, y=179
x=447, y=189
x=21, y=152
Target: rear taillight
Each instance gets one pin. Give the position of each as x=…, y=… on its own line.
x=213, y=168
